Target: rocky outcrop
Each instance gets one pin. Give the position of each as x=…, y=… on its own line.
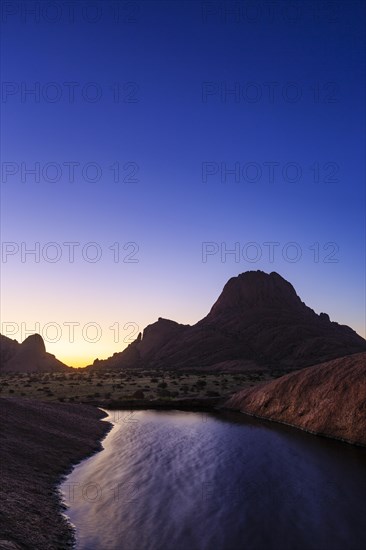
x=258, y=321
x=29, y=356
x=327, y=399
x=8, y=349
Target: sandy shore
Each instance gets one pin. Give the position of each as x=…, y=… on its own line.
x=40, y=442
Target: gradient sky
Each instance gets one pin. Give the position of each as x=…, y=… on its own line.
x=297, y=71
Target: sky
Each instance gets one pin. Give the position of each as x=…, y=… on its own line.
x=152, y=150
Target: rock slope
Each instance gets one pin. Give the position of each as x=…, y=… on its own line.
x=327, y=399
x=39, y=443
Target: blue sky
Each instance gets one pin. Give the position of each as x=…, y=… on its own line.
x=203, y=89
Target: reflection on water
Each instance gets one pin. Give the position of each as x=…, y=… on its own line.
x=192, y=481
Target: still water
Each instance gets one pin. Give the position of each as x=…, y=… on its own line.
x=194, y=481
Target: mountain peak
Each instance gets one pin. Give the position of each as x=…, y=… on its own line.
x=29, y=356
x=257, y=290
x=35, y=343
x=258, y=321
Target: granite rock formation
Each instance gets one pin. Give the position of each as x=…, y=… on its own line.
x=257, y=322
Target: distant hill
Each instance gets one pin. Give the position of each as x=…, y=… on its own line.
x=327, y=399
x=258, y=321
x=29, y=356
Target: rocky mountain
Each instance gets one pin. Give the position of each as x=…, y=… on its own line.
x=327, y=399
x=258, y=321
x=29, y=356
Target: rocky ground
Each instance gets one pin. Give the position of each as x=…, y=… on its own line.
x=39, y=444
x=327, y=399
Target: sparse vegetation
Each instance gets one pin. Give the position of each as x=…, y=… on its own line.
x=115, y=386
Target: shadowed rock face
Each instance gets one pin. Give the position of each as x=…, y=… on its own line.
x=327, y=399
x=34, y=344
x=258, y=321
x=256, y=290
x=29, y=356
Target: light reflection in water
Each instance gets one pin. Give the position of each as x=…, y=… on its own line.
x=177, y=481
